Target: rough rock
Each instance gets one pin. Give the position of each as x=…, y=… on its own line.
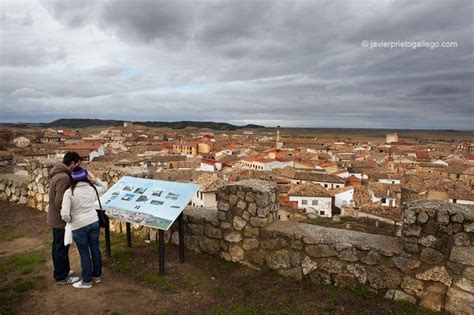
x=431, y=256
x=345, y=280
x=438, y=274
x=459, y=302
x=318, y=251
x=239, y=223
x=250, y=243
x=412, y=286
x=372, y=258
x=233, y=237
x=433, y=296
x=399, y=296
x=406, y=264
x=308, y=265
x=278, y=260
x=359, y=272
x=463, y=255
x=236, y=253
x=428, y=241
x=380, y=278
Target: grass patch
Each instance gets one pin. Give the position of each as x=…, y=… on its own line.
x=153, y=279
x=227, y=266
x=409, y=308
x=9, y=235
x=13, y=286
x=234, y=309
x=23, y=263
x=221, y=293
x=362, y=293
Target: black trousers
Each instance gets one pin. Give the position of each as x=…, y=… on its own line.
x=60, y=255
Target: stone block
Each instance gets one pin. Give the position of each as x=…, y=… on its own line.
x=345, y=280
x=258, y=222
x=359, y=272
x=233, y=237
x=294, y=273
x=307, y=265
x=397, y=295
x=459, y=302
x=462, y=255
x=431, y=256
x=372, y=258
x=422, y=218
x=428, y=241
x=350, y=255
x=317, y=251
x=381, y=278
x=238, y=223
x=278, y=260
x=412, y=286
x=462, y=239
x=251, y=231
x=406, y=264
x=433, y=296
x=212, y=232
x=236, y=253
x=469, y=227
x=250, y=244
x=437, y=274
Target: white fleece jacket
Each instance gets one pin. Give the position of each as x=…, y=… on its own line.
x=79, y=209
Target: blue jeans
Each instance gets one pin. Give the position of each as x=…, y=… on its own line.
x=87, y=243
x=60, y=255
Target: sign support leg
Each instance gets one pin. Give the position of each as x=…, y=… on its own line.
x=161, y=235
x=181, y=237
x=129, y=235
x=107, y=239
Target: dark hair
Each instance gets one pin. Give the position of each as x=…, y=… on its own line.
x=70, y=157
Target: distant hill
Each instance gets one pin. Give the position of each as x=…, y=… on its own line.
x=83, y=123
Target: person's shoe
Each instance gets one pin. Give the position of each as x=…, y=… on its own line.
x=82, y=285
x=71, y=272
x=96, y=279
x=68, y=280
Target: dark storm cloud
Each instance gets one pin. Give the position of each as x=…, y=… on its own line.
x=294, y=63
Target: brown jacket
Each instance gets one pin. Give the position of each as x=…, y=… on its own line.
x=59, y=181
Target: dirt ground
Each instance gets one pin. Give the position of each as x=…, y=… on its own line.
x=202, y=285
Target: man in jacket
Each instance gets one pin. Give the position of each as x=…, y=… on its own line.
x=59, y=181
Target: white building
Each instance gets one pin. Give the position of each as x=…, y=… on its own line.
x=206, y=196
x=21, y=142
x=344, y=198
x=312, y=198
x=264, y=164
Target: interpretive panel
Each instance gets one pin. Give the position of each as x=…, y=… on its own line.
x=148, y=202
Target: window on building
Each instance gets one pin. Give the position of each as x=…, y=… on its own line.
x=314, y=202
x=288, y=216
x=383, y=200
x=337, y=186
x=304, y=202
x=325, y=185
x=322, y=212
x=393, y=182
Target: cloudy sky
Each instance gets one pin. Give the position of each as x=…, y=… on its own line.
x=276, y=62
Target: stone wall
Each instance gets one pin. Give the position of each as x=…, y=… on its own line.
x=38, y=186
x=14, y=188
x=440, y=236
x=6, y=163
x=431, y=264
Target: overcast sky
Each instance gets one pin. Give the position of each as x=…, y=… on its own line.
x=289, y=63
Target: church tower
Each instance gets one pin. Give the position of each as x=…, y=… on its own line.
x=279, y=143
